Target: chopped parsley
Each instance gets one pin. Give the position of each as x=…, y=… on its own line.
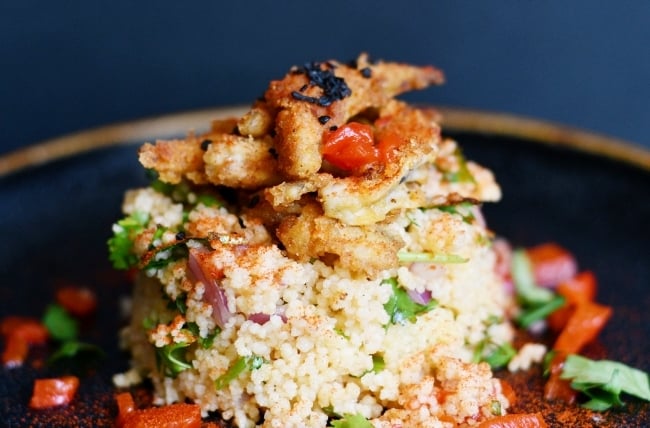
x=462, y=209
x=528, y=292
x=534, y=313
x=604, y=381
x=120, y=245
x=252, y=362
x=204, y=342
x=460, y=175
x=172, y=359
x=64, y=329
x=500, y=357
x=401, y=308
x=59, y=323
x=351, y=421
x=75, y=348
x=428, y=257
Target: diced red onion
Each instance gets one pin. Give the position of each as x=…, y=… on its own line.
x=421, y=297
x=261, y=318
x=213, y=293
x=551, y=274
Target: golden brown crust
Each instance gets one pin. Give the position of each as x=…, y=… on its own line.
x=175, y=159
x=299, y=130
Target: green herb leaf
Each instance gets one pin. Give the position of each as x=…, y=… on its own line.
x=59, y=323
x=378, y=363
x=427, y=257
x=205, y=342
x=462, y=174
x=495, y=408
x=164, y=255
x=401, y=308
x=208, y=200
x=73, y=349
x=179, y=304
x=462, y=209
x=528, y=292
x=604, y=381
x=242, y=364
x=352, y=421
x=540, y=312
x=172, y=359
x=501, y=356
x=120, y=245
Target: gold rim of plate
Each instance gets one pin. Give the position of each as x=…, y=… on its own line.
x=454, y=119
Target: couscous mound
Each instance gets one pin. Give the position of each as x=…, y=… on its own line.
x=320, y=260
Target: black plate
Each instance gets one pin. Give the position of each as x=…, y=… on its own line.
x=588, y=193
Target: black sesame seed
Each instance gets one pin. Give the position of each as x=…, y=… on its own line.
x=366, y=72
x=241, y=222
x=180, y=236
x=303, y=88
x=334, y=128
x=205, y=144
x=323, y=119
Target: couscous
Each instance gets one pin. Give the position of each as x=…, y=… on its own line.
x=321, y=260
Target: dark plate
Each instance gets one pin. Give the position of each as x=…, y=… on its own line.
x=588, y=193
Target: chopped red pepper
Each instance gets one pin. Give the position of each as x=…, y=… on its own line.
x=179, y=415
x=556, y=388
x=579, y=289
x=79, y=301
x=19, y=333
x=508, y=392
x=15, y=352
x=585, y=323
x=522, y=420
x=125, y=406
x=350, y=147
x=53, y=392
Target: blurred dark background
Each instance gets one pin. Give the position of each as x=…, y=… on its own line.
x=68, y=66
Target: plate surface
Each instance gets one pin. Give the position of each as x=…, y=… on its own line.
x=588, y=193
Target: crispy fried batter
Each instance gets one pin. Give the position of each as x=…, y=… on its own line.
x=301, y=102
x=257, y=122
x=175, y=159
x=318, y=211
x=365, y=199
x=362, y=249
x=241, y=162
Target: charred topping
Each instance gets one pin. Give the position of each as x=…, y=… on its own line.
x=334, y=88
x=180, y=236
x=272, y=133
x=334, y=128
x=273, y=152
x=323, y=119
x=366, y=72
x=205, y=144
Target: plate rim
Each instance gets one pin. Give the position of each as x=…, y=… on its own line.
x=453, y=119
